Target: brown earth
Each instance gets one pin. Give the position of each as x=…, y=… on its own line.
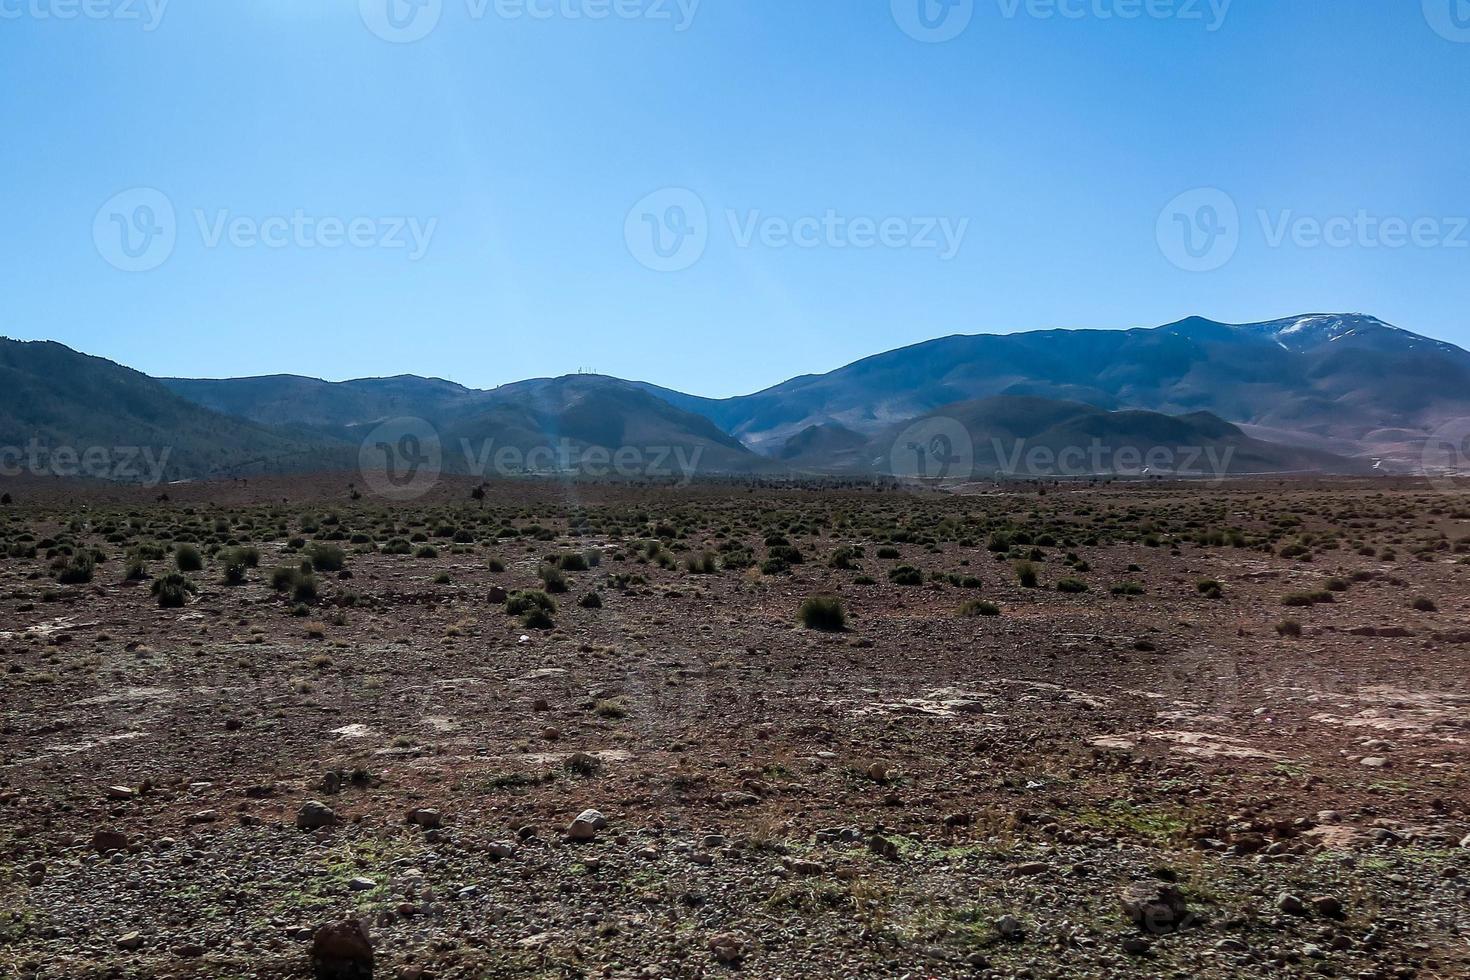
x=923, y=794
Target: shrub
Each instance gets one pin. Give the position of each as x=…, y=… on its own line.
x=841, y=558
x=572, y=562
x=823, y=612
x=1425, y=604
x=233, y=571
x=397, y=546
x=77, y=571
x=134, y=570
x=1072, y=585
x=703, y=563
x=552, y=578
x=523, y=602
x=304, y=590
x=1306, y=598
x=173, y=590
x=326, y=557
x=979, y=607
x=1127, y=588
x=1209, y=588
x=283, y=579
x=905, y=575
x=590, y=601
x=188, y=559
x=427, y=551
x=1027, y=574
x=887, y=552
x=1289, y=627
x=496, y=565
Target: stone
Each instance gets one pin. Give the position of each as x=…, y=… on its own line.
x=1009, y=927
x=109, y=840
x=342, y=951
x=1291, y=904
x=120, y=793
x=361, y=884
x=425, y=818
x=1374, y=762
x=586, y=826
x=131, y=941
x=314, y=815
x=203, y=816
x=1154, y=906
x=1327, y=907
x=499, y=850
x=727, y=947
x=497, y=594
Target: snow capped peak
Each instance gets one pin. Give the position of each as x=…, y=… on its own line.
x=1301, y=333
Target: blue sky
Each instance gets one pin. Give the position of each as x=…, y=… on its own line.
x=826, y=180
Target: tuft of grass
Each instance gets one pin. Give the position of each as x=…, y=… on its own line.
x=823, y=612
x=979, y=607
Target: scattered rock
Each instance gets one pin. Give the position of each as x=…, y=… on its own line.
x=342, y=951
x=586, y=826
x=109, y=840
x=1154, y=906
x=314, y=815
x=728, y=947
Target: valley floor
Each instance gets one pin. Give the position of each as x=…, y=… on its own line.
x=1172, y=773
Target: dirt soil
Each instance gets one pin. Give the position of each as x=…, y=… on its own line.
x=1240, y=752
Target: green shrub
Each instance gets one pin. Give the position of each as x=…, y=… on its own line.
x=1209, y=588
x=173, y=590
x=979, y=607
x=1027, y=574
x=1072, y=586
x=1127, y=588
x=326, y=557
x=1289, y=627
x=552, y=578
x=188, y=559
x=590, y=601
x=905, y=575
x=823, y=612
x=78, y=570
x=703, y=563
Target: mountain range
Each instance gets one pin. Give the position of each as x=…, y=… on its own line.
x=1320, y=393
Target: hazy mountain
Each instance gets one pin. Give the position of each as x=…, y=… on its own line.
x=1322, y=377
x=286, y=399
x=580, y=412
x=1041, y=438
x=60, y=402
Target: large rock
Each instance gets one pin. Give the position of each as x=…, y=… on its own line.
x=586, y=826
x=1154, y=906
x=314, y=815
x=109, y=840
x=342, y=951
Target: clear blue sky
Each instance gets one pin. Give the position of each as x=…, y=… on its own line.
x=526, y=141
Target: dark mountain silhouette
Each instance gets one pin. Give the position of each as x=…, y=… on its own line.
x=61, y=402
x=1319, y=377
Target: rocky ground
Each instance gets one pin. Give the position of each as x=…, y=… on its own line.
x=1224, y=734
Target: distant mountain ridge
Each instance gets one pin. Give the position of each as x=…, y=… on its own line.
x=1298, y=393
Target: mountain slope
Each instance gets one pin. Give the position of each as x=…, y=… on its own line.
x=1329, y=376
x=58, y=399
x=291, y=400
x=1022, y=437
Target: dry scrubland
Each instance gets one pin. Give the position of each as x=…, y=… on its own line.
x=1224, y=734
